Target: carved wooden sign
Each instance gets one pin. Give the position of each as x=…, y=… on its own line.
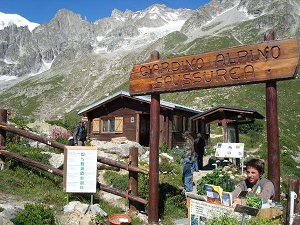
x=274, y=60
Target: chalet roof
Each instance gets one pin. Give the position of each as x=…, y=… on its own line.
x=230, y=113
x=146, y=99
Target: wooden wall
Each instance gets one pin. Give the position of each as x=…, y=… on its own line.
x=130, y=108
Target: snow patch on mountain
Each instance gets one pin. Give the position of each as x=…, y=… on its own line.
x=7, y=78
x=227, y=18
x=146, y=36
x=10, y=19
x=45, y=66
x=163, y=30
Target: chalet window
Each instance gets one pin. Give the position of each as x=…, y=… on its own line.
x=112, y=125
x=189, y=124
x=175, y=123
x=184, y=123
x=96, y=125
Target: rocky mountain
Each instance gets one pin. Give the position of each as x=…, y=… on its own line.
x=69, y=63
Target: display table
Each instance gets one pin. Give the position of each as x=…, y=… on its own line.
x=199, y=210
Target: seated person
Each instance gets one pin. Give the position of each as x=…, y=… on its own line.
x=254, y=183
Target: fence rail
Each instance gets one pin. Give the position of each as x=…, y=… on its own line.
x=132, y=166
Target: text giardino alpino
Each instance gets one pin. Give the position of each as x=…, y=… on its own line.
x=226, y=67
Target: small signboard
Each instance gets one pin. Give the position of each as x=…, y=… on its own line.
x=230, y=150
x=80, y=173
x=244, y=209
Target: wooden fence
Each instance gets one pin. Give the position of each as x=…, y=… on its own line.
x=131, y=194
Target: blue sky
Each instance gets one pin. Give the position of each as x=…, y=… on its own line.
x=40, y=11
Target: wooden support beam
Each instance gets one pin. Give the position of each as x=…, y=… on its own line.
x=121, y=165
x=32, y=162
x=3, y=119
x=272, y=129
x=30, y=135
x=123, y=194
x=154, y=158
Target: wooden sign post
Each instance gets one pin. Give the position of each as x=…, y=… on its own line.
x=266, y=62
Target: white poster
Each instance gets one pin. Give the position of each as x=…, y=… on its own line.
x=230, y=150
x=81, y=169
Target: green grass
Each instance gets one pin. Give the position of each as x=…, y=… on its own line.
x=173, y=40
x=28, y=182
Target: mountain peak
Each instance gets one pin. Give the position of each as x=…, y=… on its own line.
x=116, y=13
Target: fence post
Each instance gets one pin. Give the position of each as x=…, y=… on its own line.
x=154, y=157
x=133, y=179
x=3, y=119
x=293, y=185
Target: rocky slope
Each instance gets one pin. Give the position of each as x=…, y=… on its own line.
x=68, y=63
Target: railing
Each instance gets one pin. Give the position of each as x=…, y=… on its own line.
x=132, y=166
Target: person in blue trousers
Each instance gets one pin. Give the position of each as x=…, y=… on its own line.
x=187, y=174
x=195, y=163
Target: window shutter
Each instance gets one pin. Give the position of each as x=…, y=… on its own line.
x=96, y=125
x=119, y=124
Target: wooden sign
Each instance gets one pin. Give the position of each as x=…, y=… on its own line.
x=274, y=60
x=80, y=173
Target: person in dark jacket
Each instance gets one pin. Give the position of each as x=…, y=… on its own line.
x=80, y=132
x=200, y=150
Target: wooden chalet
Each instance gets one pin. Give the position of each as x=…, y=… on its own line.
x=228, y=118
x=122, y=115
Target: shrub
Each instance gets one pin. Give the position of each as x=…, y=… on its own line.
x=164, y=148
x=116, y=180
x=59, y=134
x=165, y=166
x=223, y=220
x=143, y=186
x=37, y=214
x=256, y=127
x=100, y=220
x=121, y=182
x=262, y=221
x=19, y=121
x=252, y=134
x=215, y=178
x=172, y=201
x=227, y=220
x=253, y=201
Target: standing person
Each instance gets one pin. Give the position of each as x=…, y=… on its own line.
x=80, y=132
x=200, y=150
x=187, y=174
x=254, y=183
x=188, y=151
x=196, y=155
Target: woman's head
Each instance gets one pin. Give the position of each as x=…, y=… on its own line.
x=257, y=164
x=255, y=168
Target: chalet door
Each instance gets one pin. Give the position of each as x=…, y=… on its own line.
x=144, y=129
